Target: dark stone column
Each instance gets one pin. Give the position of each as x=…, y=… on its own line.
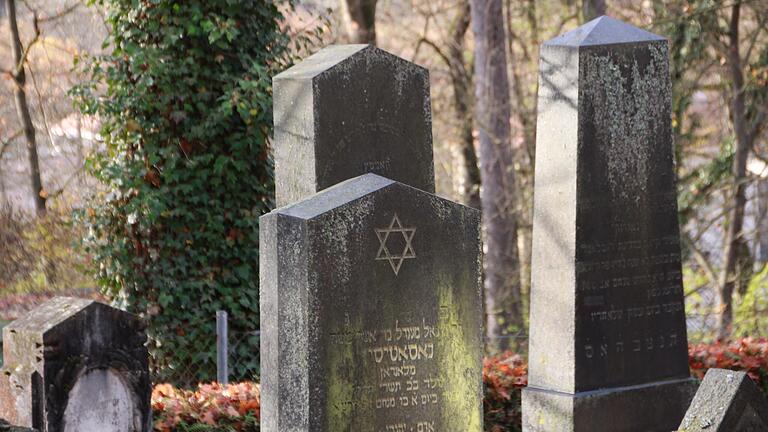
x=608, y=344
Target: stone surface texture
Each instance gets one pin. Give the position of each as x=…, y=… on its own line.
x=371, y=312
x=607, y=307
x=75, y=364
x=727, y=401
x=7, y=427
x=346, y=111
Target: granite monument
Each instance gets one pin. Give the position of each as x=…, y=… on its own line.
x=608, y=345
x=371, y=312
x=346, y=111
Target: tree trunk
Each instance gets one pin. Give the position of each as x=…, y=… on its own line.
x=462, y=96
x=18, y=75
x=592, y=9
x=360, y=18
x=502, y=265
x=762, y=222
x=734, y=247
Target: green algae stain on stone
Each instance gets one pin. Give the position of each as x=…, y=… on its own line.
x=388, y=268
x=457, y=358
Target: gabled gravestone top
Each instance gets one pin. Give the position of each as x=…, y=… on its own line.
x=608, y=346
x=75, y=365
x=346, y=111
x=727, y=401
x=371, y=312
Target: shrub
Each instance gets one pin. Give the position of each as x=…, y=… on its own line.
x=212, y=407
x=227, y=408
x=37, y=254
x=186, y=114
x=503, y=378
x=749, y=355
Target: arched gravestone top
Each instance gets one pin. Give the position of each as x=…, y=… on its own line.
x=371, y=312
x=348, y=110
x=47, y=351
x=100, y=401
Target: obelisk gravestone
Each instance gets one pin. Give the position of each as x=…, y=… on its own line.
x=608, y=346
x=349, y=110
x=371, y=312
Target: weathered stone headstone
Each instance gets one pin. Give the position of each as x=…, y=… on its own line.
x=346, y=111
x=608, y=345
x=76, y=365
x=371, y=312
x=727, y=401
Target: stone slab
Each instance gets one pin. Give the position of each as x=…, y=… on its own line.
x=607, y=304
x=76, y=364
x=371, y=312
x=727, y=401
x=650, y=407
x=346, y=111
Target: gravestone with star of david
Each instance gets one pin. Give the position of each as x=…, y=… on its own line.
x=371, y=312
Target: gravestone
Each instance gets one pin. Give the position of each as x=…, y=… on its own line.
x=76, y=365
x=371, y=312
x=346, y=111
x=727, y=401
x=608, y=345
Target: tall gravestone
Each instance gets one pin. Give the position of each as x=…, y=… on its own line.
x=75, y=365
x=350, y=110
x=371, y=312
x=727, y=401
x=608, y=345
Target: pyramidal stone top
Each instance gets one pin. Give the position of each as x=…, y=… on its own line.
x=603, y=31
x=335, y=55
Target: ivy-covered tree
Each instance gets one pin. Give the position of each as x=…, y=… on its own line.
x=184, y=99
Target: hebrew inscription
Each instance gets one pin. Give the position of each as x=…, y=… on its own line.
x=408, y=381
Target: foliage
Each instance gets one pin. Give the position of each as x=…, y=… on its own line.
x=212, y=407
x=37, y=254
x=751, y=308
x=184, y=98
x=224, y=408
x=503, y=377
x=748, y=354
x=237, y=407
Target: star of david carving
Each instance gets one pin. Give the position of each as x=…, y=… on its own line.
x=384, y=254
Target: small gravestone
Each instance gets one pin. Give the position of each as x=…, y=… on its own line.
x=608, y=345
x=727, y=401
x=346, y=111
x=76, y=365
x=371, y=312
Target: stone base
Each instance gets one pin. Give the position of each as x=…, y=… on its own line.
x=654, y=407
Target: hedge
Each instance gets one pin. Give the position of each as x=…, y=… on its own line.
x=212, y=407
